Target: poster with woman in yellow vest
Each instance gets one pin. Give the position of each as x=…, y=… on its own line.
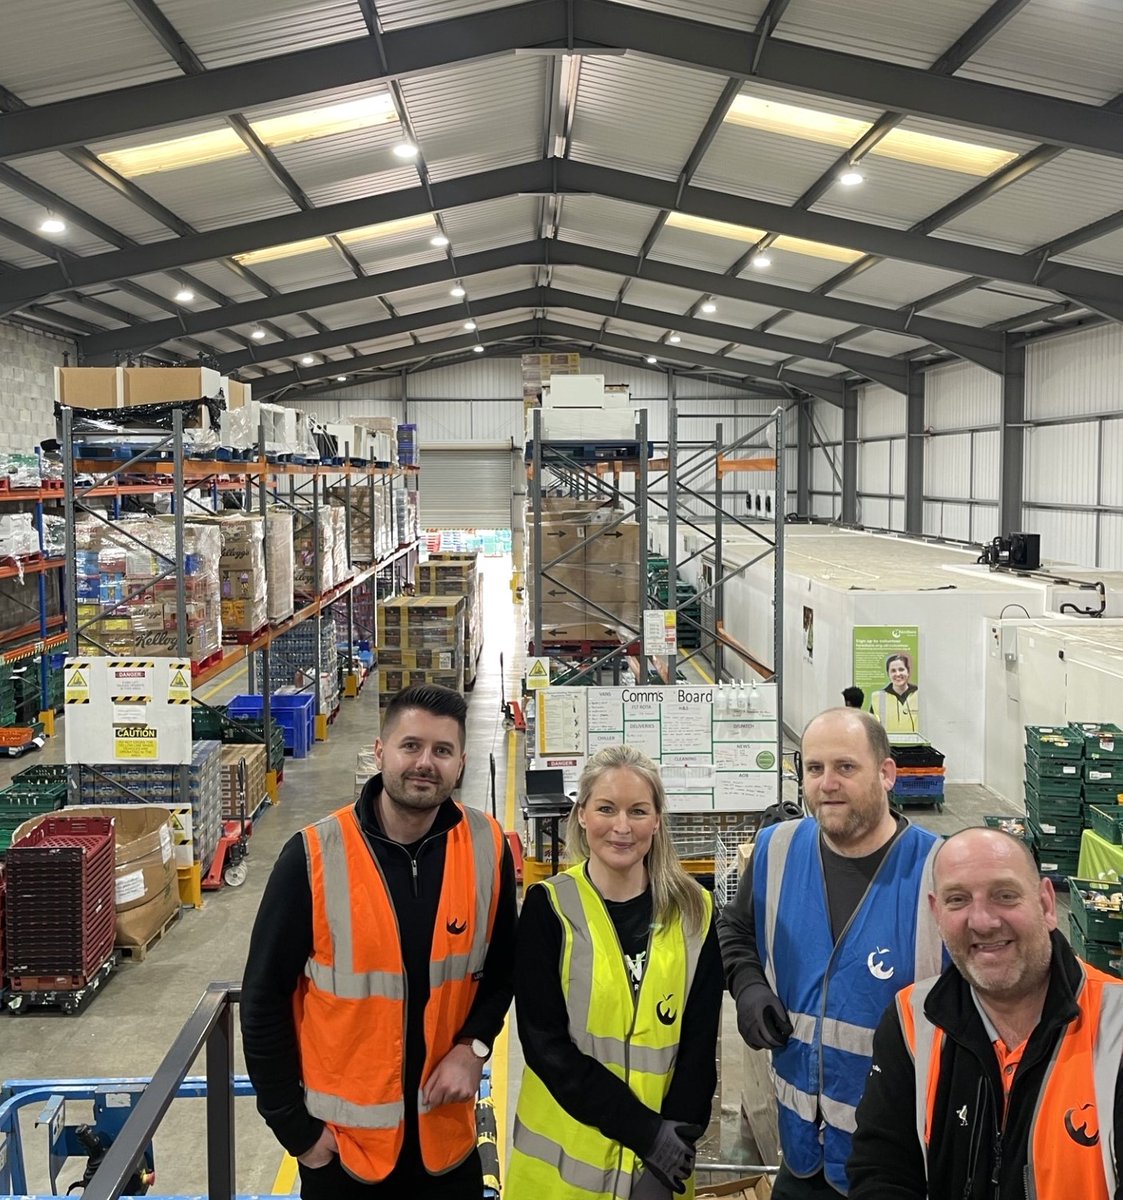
x=887, y=669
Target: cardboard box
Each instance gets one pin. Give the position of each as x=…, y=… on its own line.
x=87, y=387
x=237, y=394
x=136, y=926
x=755, y=1187
x=165, y=385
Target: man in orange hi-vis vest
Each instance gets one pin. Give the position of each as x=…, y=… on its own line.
x=1001, y=1077
x=380, y=971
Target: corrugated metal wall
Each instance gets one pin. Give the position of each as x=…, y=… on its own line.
x=826, y=460
x=881, y=457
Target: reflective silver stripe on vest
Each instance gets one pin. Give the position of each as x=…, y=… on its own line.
x=650, y=1060
x=778, y=846
x=341, y=979
x=841, y=1116
x=459, y=966
x=841, y=1035
x=803, y=1027
x=598, y=1181
x=922, y=1058
x=803, y=1104
x=355, y=1116
x=929, y=945
x=580, y=995
x=1105, y=1069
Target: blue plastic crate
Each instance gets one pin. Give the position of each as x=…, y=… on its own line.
x=294, y=714
x=919, y=785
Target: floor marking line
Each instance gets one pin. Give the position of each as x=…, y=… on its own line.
x=285, y=1182
x=500, y=1059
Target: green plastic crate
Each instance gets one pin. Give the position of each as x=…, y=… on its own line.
x=1059, y=790
x=1103, y=955
x=1096, y=924
x=1068, y=822
x=1046, y=767
x=42, y=772
x=1107, y=822
x=1101, y=772
x=1015, y=826
x=1092, y=735
x=1101, y=797
x=1053, y=741
x=1049, y=843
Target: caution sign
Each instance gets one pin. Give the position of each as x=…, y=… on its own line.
x=179, y=683
x=537, y=673
x=77, y=683
x=130, y=681
x=135, y=743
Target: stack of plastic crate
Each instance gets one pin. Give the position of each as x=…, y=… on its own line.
x=61, y=912
x=1054, y=801
x=1095, y=921
x=293, y=659
x=1101, y=773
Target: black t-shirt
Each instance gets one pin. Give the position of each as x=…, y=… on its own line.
x=632, y=921
x=848, y=879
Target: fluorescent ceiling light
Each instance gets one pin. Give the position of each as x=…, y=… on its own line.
x=405, y=150
x=905, y=145
x=307, y=360
x=349, y=237
x=184, y=296
x=457, y=292
x=218, y=144
x=52, y=224
x=851, y=177
x=674, y=339
x=477, y=349
x=761, y=261
x=440, y=240
x=258, y=335
x=651, y=359
x=743, y=233
x=470, y=326
x=709, y=307
x=341, y=379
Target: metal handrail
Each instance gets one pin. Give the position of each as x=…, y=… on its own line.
x=210, y=1027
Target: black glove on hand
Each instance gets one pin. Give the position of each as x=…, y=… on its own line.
x=762, y=1019
x=649, y=1186
x=671, y=1157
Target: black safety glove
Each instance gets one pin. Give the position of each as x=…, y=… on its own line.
x=671, y=1156
x=762, y=1019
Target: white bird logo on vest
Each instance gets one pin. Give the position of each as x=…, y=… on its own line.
x=878, y=969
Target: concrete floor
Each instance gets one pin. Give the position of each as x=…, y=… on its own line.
x=129, y=1026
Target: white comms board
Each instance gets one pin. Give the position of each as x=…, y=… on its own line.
x=716, y=746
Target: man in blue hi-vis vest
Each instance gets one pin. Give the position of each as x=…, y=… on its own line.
x=829, y=922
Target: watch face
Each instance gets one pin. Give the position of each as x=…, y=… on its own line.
x=480, y=1049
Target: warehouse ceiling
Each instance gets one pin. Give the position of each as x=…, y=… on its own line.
x=795, y=194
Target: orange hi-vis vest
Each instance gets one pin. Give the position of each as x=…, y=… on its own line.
x=1077, y=1096
x=350, y=1006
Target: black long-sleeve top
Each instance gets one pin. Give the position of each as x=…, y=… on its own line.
x=281, y=944
x=587, y=1090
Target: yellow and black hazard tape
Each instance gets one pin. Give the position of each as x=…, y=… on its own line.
x=126, y=664
x=179, y=699
x=131, y=699
x=76, y=700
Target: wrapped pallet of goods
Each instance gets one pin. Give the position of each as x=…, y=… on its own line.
x=458, y=574
x=340, y=570
x=309, y=532
x=125, y=606
x=279, y=583
x=413, y=630
x=371, y=537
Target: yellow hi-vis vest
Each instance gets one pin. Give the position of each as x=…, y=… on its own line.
x=635, y=1036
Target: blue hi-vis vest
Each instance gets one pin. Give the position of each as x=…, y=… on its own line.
x=836, y=994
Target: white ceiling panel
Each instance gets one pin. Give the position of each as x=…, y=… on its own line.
x=701, y=251
x=478, y=116
x=729, y=14
x=754, y=354
x=498, y=283
x=222, y=33
x=635, y=329
x=574, y=316
x=893, y=284
x=400, y=14
x=981, y=307
x=80, y=312
x=87, y=46
x=493, y=225
x=587, y=282
x=141, y=308
x=1105, y=253
x=763, y=165
x=491, y=283
x=888, y=344
x=813, y=366
x=348, y=166
x=607, y=224
x=795, y=270
x=914, y=32
x=394, y=342
x=671, y=300
x=698, y=344
x=12, y=254
x=810, y=328
x=397, y=251
x=636, y=114
x=1072, y=191
x=731, y=312
x=511, y=317
x=343, y=316
x=28, y=214
x=1074, y=50
x=222, y=193
x=305, y=270
x=895, y=194
x=225, y=280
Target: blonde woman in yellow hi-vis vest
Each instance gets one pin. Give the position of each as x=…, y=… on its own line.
x=618, y=985
x=897, y=705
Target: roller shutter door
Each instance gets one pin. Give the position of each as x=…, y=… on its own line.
x=466, y=488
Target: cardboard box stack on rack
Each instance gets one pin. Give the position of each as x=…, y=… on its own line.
x=112, y=566
x=458, y=575
x=340, y=570
x=280, y=603
x=420, y=640
x=368, y=511
x=307, y=531
x=233, y=756
x=603, y=571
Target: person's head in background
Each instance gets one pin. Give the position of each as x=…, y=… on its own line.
x=853, y=697
x=898, y=667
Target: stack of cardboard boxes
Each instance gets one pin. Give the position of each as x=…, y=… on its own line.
x=371, y=537
x=130, y=609
x=420, y=640
x=458, y=574
x=232, y=796
x=595, y=593
x=309, y=532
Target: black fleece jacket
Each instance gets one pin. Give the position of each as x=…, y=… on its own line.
x=281, y=944
x=973, y=1154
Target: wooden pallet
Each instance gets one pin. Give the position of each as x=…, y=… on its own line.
x=140, y=953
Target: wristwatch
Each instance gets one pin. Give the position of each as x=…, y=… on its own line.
x=480, y=1049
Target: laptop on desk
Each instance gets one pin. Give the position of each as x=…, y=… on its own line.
x=545, y=793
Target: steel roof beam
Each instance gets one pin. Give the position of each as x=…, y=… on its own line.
x=562, y=24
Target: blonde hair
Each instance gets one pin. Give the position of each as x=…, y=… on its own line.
x=672, y=889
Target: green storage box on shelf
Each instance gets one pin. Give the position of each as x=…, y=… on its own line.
x=1053, y=741
x=1050, y=808
x=1057, y=864
x=1046, y=767
x=1105, y=956
x=1050, y=785
x=1101, y=797
x=1097, y=906
x=1059, y=820
x=1015, y=826
x=1054, y=843
x=1107, y=822
x=1103, y=772
x=1100, y=740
